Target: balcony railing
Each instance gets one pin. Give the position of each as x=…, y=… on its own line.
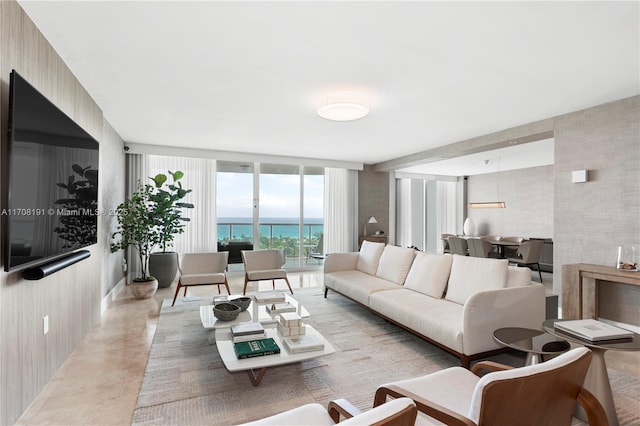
x=274, y=236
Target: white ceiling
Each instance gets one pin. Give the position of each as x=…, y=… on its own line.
x=245, y=76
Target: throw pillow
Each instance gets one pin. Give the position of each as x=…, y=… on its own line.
x=472, y=274
x=429, y=274
x=518, y=277
x=370, y=253
x=394, y=263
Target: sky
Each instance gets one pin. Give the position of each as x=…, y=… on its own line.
x=279, y=195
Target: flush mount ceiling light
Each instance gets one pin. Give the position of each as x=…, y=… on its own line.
x=343, y=106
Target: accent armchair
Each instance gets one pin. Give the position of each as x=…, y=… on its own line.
x=263, y=265
x=540, y=394
x=458, y=245
x=202, y=269
x=399, y=412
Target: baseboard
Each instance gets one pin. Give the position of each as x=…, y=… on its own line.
x=107, y=301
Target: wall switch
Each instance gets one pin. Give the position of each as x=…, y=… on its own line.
x=45, y=324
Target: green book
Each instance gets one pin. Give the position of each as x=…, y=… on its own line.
x=253, y=348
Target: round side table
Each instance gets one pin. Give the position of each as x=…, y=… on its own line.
x=597, y=380
x=536, y=343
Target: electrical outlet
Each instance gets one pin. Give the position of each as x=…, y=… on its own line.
x=45, y=324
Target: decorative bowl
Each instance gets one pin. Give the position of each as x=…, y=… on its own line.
x=242, y=302
x=226, y=311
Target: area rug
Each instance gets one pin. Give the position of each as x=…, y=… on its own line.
x=186, y=383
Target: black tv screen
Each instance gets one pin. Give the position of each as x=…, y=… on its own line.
x=52, y=197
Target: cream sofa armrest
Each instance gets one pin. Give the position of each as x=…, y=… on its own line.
x=486, y=311
x=341, y=262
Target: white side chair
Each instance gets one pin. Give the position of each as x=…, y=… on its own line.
x=539, y=394
x=399, y=412
x=263, y=265
x=202, y=269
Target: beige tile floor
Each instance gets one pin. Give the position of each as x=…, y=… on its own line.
x=99, y=382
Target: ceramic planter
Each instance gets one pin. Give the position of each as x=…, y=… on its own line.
x=164, y=267
x=143, y=289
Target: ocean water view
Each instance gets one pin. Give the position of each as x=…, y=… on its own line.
x=241, y=228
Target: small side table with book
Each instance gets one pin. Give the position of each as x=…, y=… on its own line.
x=600, y=337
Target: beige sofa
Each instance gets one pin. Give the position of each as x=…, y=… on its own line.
x=452, y=301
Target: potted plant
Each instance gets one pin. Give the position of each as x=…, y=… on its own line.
x=137, y=228
x=167, y=210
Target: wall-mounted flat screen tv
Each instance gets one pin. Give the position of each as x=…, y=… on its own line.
x=52, y=198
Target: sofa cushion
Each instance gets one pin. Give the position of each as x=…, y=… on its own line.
x=357, y=285
x=472, y=274
x=370, y=253
x=394, y=263
x=437, y=319
x=429, y=274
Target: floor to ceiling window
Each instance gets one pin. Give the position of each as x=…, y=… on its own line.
x=271, y=206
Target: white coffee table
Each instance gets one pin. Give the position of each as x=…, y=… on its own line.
x=255, y=312
x=257, y=367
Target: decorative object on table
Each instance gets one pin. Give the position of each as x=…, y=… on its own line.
x=290, y=324
x=242, y=302
x=278, y=308
x=303, y=343
x=269, y=297
x=254, y=348
x=593, y=330
x=226, y=311
x=628, y=257
x=166, y=208
x=247, y=332
x=469, y=228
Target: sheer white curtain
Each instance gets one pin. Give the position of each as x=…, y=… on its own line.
x=403, y=212
x=200, y=234
x=340, y=210
x=199, y=175
x=446, y=218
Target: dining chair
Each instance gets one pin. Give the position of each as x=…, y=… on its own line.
x=446, y=248
x=263, y=265
x=458, y=245
x=479, y=247
x=529, y=255
x=202, y=269
x=539, y=394
x=399, y=412
x=511, y=251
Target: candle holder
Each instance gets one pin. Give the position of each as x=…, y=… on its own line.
x=628, y=257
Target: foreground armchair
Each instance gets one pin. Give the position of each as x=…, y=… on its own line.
x=540, y=394
x=399, y=412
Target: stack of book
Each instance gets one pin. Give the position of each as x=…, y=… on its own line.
x=269, y=297
x=248, y=331
x=290, y=324
x=303, y=343
x=278, y=308
x=593, y=330
x=255, y=348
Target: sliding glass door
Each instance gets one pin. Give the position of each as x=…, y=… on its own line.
x=271, y=206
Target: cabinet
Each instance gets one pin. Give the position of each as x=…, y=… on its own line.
x=372, y=238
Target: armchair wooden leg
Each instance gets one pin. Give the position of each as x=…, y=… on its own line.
x=176, y=295
x=226, y=284
x=288, y=285
x=244, y=290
